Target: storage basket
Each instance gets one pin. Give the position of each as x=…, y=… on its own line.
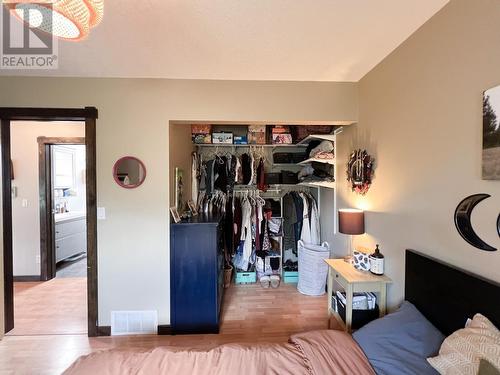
x=291, y=277
x=359, y=317
x=245, y=277
x=313, y=269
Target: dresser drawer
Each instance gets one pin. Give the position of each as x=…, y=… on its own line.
x=71, y=245
x=69, y=228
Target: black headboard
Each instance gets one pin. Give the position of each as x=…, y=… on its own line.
x=447, y=296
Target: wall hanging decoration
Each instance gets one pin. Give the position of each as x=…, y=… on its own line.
x=360, y=169
x=463, y=223
x=65, y=19
x=179, y=189
x=129, y=172
x=491, y=134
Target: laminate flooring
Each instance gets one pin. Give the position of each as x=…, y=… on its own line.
x=250, y=314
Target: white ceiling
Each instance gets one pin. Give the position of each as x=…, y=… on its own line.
x=300, y=40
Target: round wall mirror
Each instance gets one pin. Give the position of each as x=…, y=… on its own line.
x=129, y=172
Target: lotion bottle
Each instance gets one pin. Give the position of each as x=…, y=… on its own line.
x=377, y=262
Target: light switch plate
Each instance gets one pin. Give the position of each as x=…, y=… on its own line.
x=101, y=213
x=24, y=203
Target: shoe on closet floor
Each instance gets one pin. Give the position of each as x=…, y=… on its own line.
x=264, y=281
x=275, y=281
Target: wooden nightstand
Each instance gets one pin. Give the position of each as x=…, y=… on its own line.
x=352, y=281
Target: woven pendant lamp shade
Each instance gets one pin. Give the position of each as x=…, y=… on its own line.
x=71, y=19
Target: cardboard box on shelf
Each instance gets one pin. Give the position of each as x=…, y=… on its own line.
x=225, y=138
x=201, y=138
x=200, y=133
x=258, y=138
x=282, y=138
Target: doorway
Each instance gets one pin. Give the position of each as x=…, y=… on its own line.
x=48, y=266
x=62, y=172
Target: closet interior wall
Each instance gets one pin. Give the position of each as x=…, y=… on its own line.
x=180, y=149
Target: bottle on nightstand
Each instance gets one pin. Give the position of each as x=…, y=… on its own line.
x=377, y=262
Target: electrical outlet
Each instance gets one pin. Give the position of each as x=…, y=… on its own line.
x=38, y=259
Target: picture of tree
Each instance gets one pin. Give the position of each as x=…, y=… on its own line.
x=491, y=134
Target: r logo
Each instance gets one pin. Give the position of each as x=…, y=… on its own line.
x=35, y=37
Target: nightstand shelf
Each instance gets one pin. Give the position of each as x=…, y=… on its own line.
x=354, y=281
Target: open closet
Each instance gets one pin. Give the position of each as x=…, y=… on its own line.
x=262, y=188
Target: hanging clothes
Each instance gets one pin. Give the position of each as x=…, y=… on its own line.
x=305, y=235
x=244, y=252
x=314, y=220
x=261, y=181
x=289, y=220
x=194, y=178
x=210, y=176
x=253, y=168
x=246, y=169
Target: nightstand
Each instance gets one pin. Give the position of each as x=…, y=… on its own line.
x=353, y=281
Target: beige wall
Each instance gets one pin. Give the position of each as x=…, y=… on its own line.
x=133, y=241
x=421, y=117
x=26, y=220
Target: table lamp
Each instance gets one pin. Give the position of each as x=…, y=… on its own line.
x=351, y=222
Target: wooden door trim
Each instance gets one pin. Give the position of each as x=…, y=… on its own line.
x=47, y=252
x=8, y=267
x=89, y=115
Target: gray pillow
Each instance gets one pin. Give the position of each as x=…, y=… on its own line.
x=400, y=343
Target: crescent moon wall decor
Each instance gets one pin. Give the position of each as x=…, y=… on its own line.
x=463, y=223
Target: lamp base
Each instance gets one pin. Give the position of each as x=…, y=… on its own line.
x=348, y=259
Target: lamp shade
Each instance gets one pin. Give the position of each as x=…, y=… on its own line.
x=351, y=221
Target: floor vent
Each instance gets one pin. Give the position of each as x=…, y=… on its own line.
x=134, y=323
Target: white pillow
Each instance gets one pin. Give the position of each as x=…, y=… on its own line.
x=462, y=351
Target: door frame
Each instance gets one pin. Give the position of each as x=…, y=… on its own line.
x=89, y=115
x=47, y=250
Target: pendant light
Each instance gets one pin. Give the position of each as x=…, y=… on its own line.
x=69, y=19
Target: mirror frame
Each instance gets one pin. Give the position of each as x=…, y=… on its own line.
x=115, y=172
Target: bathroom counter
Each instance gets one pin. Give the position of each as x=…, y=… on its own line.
x=69, y=216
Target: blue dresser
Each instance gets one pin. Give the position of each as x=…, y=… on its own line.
x=196, y=275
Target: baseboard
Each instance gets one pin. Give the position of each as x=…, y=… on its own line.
x=164, y=329
x=104, y=331
x=19, y=279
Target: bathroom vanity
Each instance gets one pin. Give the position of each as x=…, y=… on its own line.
x=70, y=234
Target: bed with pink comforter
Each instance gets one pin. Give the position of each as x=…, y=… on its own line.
x=312, y=353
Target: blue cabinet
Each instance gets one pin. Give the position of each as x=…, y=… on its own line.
x=196, y=275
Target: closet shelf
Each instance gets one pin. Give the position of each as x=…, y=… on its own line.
x=323, y=184
x=324, y=161
x=323, y=137
x=247, y=146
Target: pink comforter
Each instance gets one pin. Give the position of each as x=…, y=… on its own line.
x=312, y=353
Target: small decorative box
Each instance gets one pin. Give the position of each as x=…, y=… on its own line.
x=221, y=137
x=200, y=134
x=201, y=138
x=258, y=138
x=256, y=128
x=281, y=129
x=240, y=140
x=282, y=138
x=203, y=128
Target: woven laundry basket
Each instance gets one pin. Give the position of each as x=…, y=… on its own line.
x=313, y=270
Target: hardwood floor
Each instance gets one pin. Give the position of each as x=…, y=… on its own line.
x=250, y=314
x=58, y=306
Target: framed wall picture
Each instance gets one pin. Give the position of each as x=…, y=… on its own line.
x=175, y=214
x=192, y=207
x=179, y=189
x=491, y=134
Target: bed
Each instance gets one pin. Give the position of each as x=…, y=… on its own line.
x=439, y=300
